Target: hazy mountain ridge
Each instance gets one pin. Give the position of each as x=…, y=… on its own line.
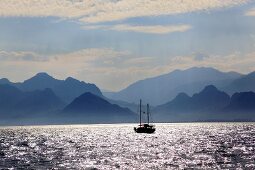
x=242, y=101
x=206, y=100
x=18, y=106
x=243, y=84
x=160, y=89
x=43, y=94
x=209, y=104
x=41, y=90
x=14, y=102
x=67, y=89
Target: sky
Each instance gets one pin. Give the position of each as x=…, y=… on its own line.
x=114, y=43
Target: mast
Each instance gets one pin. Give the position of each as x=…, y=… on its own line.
x=140, y=112
x=148, y=113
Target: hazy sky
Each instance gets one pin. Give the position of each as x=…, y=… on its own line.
x=113, y=43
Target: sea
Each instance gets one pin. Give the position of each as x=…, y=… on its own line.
x=117, y=146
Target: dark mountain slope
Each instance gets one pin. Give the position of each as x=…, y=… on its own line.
x=9, y=96
x=92, y=109
x=39, y=101
x=242, y=102
x=14, y=102
x=209, y=99
x=201, y=106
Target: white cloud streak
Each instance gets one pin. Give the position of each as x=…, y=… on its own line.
x=96, y=11
x=156, y=29
x=250, y=12
x=236, y=62
x=151, y=29
x=21, y=56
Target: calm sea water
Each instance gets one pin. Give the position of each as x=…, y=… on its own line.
x=173, y=146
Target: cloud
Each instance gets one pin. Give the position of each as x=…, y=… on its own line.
x=104, y=66
x=250, y=12
x=139, y=61
x=91, y=57
x=85, y=57
x=200, y=56
x=112, y=11
x=21, y=56
x=235, y=61
x=156, y=29
x=95, y=11
x=152, y=29
x=91, y=54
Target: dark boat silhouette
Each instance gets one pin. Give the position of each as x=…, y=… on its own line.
x=145, y=127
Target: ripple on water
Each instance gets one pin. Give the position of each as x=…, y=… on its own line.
x=173, y=146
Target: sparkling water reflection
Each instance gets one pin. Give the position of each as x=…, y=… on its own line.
x=173, y=146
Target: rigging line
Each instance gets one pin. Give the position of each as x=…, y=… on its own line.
x=151, y=118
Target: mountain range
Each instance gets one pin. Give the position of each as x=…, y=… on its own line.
x=241, y=84
x=195, y=94
x=67, y=90
x=17, y=103
x=163, y=88
x=209, y=104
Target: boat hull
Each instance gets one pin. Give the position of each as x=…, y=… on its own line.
x=144, y=130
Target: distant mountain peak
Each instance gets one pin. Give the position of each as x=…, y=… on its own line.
x=182, y=96
x=90, y=97
x=162, y=88
x=252, y=74
x=4, y=81
x=242, y=101
x=88, y=94
x=243, y=94
x=71, y=79
x=210, y=88
x=209, y=91
x=41, y=75
x=91, y=105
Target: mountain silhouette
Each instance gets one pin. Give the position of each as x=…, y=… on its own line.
x=242, y=102
x=14, y=102
x=71, y=88
x=38, y=82
x=201, y=106
x=210, y=99
x=67, y=90
x=39, y=101
x=4, y=81
x=243, y=84
x=9, y=96
x=47, y=99
x=160, y=89
x=90, y=108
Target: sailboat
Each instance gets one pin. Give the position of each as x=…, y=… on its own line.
x=145, y=127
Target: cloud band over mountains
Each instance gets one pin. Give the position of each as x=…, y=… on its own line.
x=152, y=29
x=105, y=66
x=250, y=12
x=96, y=11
